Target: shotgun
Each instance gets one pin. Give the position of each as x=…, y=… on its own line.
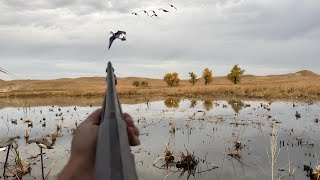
x=114, y=160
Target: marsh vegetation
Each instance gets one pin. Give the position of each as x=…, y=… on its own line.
x=181, y=138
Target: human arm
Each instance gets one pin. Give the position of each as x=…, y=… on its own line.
x=83, y=147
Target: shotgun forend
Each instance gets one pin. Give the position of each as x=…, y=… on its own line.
x=114, y=160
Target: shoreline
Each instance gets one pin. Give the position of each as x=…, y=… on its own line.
x=304, y=93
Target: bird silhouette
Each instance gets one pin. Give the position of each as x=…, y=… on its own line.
x=118, y=35
x=134, y=13
x=3, y=71
x=166, y=11
x=173, y=6
x=155, y=15
x=153, y=11
x=146, y=12
x=298, y=115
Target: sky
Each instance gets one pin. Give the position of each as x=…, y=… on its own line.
x=50, y=39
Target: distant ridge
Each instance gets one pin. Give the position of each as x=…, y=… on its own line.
x=302, y=84
x=306, y=73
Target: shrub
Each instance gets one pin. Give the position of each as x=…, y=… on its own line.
x=136, y=83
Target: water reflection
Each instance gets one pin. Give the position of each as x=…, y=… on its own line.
x=193, y=103
x=69, y=101
x=208, y=105
x=236, y=105
x=172, y=102
x=217, y=135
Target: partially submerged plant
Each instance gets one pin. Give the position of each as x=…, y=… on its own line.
x=27, y=136
x=168, y=154
x=20, y=168
x=316, y=172
x=273, y=154
x=54, y=137
x=238, y=146
x=172, y=128
x=313, y=174
x=58, y=126
x=188, y=161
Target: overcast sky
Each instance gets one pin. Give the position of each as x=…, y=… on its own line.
x=47, y=39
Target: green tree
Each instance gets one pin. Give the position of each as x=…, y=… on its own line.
x=207, y=76
x=136, y=83
x=193, y=78
x=235, y=74
x=172, y=79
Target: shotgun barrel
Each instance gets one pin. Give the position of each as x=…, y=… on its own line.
x=114, y=160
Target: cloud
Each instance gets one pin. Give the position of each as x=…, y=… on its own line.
x=70, y=38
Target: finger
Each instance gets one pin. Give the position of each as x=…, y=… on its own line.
x=94, y=118
x=133, y=139
x=128, y=119
x=136, y=131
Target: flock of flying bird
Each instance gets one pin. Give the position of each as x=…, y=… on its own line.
x=3, y=71
x=154, y=12
x=122, y=34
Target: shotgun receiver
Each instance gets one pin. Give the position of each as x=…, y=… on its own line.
x=114, y=160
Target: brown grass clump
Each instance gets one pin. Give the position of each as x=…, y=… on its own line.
x=235, y=154
x=54, y=137
x=316, y=172
x=168, y=154
x=239, y=146
x=313, y=174
x=188, y=161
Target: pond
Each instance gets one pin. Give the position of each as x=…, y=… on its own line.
x=229, y=139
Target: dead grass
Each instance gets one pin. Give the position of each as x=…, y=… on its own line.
x=301, y=85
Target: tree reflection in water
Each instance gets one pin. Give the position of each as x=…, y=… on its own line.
x=208, y=105
x=193, y=103
x=236, y=105
x=172, y=102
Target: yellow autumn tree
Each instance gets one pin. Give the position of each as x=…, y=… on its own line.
x=207, y=76
x=172, y=79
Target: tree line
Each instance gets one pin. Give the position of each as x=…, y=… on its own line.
x=172, y=79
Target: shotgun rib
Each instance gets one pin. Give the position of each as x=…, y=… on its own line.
x=114, y=160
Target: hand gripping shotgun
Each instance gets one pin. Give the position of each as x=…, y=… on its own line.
x=114, y=160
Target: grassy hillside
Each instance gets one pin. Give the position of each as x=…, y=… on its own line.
x=301, y=84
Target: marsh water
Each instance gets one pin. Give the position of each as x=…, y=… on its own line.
x=206, y=128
